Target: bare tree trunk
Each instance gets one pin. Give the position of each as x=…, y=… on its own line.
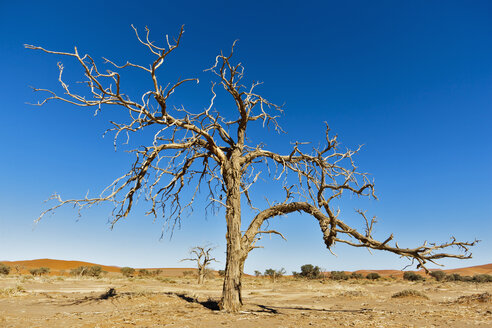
x=231, y=292
x=201, y=274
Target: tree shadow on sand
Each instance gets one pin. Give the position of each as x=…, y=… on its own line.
x=110, y=293
x=261, y=308
x=209, y=303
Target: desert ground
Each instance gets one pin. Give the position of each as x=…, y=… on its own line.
x=116, y=301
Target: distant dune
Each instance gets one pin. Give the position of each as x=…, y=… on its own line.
x=479, y=269
x=467, y=271
x=64, y=267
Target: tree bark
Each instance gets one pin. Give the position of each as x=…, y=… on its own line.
x=201, y=275
x=231, y=292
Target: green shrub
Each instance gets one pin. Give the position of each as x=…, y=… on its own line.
x=90, y=271
x=454, y=277
x=127, y=271
x=412, y=276
x=373, y=276
x=78, y=271
x=4, y=269
x=338, y=275
x=438, y=275
x=309, y=271
x=95, y=271
x=482, y=278
x=274, y=274
x=39, y=271
x=356, y=275
x=144, y=273
x=257, y=273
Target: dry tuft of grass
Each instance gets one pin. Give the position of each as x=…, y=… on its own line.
x=481, y=298
x=166, y=280
x=410, y=293
x=12, y=291
x=351, y=293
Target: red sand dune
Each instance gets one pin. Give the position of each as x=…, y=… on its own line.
x=382, y=273
x=479, y=269
x=468, y=271
x=64, y=266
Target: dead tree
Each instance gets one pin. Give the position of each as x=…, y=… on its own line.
x=18, y=268
x=210, y=149
x=201, y=255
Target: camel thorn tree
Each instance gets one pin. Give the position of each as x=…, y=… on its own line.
x=212, y=148
x=201, y=255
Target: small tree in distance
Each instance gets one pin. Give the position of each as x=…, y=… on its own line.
x=274, y=274
x=373, y=276
x=309, y=271
x=40, y=271
x=127, y=271
x=215, y=149
x=412, y=276
x=356, y=275
x=91, y=271
x=18, y=268
x=338, y=275
x=438, y=275
x=201, y=255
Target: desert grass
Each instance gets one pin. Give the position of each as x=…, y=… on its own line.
x=12, y=291
x=481, y=298
x=410, y=293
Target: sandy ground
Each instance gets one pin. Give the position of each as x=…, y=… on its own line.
x=180, y=302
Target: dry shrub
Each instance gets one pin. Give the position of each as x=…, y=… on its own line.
x=356, y=275
x=127, y=271
x=410, y=293
x=25, y=278
x=338, y=275
x=12, y=291
x=40, y=271
x=482, y=298
x=412, y=276
x=166, y=280
x=373, y=276
x=90, y=271
x=438, y=275
x=144, y=273
x=4, y=270
x=481, y=278
x=351, y=293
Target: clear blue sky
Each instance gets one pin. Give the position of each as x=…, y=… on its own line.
x=411, y=81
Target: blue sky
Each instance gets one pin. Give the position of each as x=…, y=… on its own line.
x=411, y=81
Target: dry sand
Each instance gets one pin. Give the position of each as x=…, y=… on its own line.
x=180, y=302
